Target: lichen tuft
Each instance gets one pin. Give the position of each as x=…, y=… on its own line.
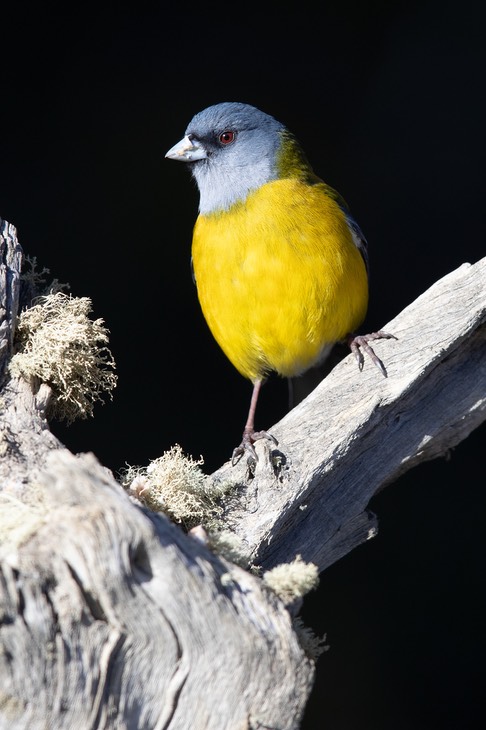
x=58, y=344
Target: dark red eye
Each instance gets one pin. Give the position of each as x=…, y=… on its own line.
x=227, y=136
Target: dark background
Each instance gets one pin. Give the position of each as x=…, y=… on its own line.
x=388, y=101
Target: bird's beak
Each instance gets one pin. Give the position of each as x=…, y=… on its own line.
x=187, y=150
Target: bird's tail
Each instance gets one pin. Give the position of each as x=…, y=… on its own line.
x=302, y=385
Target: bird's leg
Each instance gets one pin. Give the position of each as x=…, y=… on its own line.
x=359, y=343
x=249, y=433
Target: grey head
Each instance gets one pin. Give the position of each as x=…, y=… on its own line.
x=231, y=149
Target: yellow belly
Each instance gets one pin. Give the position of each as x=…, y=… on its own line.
x=278, y=282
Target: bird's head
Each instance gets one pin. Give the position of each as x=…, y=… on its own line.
x=233, y=149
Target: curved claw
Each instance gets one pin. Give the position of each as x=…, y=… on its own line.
x=249, y=438
x=356, y=342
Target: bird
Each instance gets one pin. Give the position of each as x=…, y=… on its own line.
x=280, y=265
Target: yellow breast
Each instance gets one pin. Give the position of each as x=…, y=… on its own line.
x=279, y=277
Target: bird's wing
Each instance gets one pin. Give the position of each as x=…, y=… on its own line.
x=358, y=235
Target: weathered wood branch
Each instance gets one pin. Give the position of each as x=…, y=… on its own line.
x=358, y=432
x=113, y=618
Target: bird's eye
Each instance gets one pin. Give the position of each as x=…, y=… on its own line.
x=227, y=137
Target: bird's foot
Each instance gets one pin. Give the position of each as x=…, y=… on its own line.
x=360, y=344
x=246, y=446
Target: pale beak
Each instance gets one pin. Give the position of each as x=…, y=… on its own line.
x=187, y=150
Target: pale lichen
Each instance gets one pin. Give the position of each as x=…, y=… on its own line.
x=231, y=547
x=311, y=643
x=176, y=485
x=58, y=344
x=291, y=581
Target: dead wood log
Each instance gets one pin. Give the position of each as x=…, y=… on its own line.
x=112, y=617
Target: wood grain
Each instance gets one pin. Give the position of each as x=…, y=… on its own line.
x=112, y=617
x=358, y=432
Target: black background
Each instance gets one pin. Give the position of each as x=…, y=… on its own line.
x=387, y=99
